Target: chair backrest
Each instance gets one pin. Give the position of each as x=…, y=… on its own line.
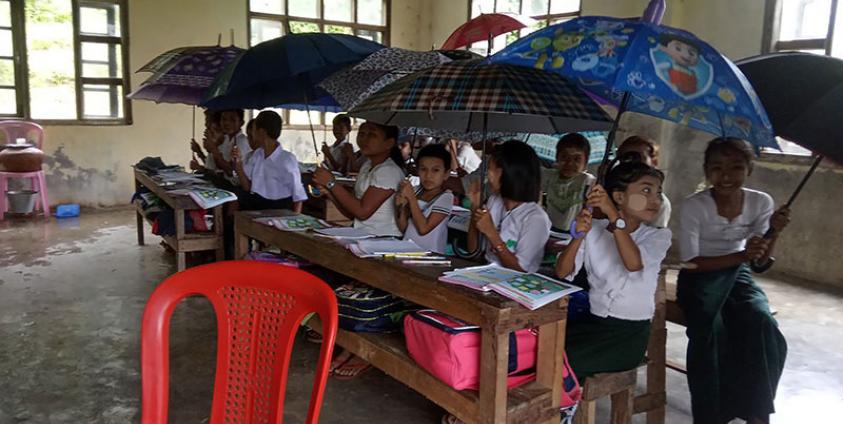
x=14, y=129
x=259, y=307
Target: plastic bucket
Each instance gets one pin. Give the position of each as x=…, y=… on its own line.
x=21, y=201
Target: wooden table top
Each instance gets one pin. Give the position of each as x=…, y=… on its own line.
x=417, y=284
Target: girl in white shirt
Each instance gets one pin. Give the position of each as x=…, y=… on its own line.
x=736, y=352
x=370, y=205
x=622, y=257
x=422, y=212
x=513, y=224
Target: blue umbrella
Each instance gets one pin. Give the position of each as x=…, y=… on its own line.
x=651, y=69
x=286, y=70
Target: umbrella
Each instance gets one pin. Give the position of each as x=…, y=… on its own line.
x=351, y=85
x=184, y=74
x=486, y=27
x=651, y=69
x=286, y=71
x=463, y=96
x=806, y=110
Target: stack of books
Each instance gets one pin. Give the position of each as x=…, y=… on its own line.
x=530, y=290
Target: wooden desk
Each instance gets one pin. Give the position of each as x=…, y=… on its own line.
x=536, y=402
x=183, y=241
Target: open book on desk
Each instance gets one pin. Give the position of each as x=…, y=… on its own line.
x=530, y=290
x=294, y=222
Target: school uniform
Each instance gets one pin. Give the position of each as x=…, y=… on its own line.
x=437, y=239
x=736, y=352
x=662, y=219
x=386, y=175
x=227, y=182
x=467, y=158
x=524, y=229
x=614, y=336
x=338, y=153
x=276, y=180
x=565, y=196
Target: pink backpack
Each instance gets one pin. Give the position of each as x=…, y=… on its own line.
x=449, y=349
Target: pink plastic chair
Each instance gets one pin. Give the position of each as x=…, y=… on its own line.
x=35, y=134
x=259, y=307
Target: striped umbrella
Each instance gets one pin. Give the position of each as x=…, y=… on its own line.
x=468, y=96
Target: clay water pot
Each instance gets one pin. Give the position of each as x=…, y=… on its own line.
x=20, y=158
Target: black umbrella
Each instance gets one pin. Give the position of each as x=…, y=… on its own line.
x=803, y=96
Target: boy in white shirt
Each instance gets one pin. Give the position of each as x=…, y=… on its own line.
x=271, y=178
x=337, y=155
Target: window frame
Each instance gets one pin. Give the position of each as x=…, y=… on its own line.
x=286, y=18
x=547, y=17
x=770, y=41
x=22, y=92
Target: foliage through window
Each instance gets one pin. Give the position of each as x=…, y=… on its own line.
x=270, y=19
x=545, y=12
x=811, y=26
x=69, y=67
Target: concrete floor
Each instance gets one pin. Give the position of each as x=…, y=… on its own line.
x=72, y=293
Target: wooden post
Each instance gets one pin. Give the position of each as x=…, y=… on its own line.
x=218, y=230
x=494, y=364
x=550, y=360
x=181, y=260
x=241, y=241
x=139, y=215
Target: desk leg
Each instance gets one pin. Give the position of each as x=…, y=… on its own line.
x=550, y=361
x=494, y=363
x=218, y=230
x=180, y=255
x=139, y=216
x=241, y=243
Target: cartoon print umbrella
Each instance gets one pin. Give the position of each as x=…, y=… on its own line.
x=651, y=69
x=351, y=85
x=807, y=110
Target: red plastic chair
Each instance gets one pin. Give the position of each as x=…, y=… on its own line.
x=259, y=307
x=33, y=133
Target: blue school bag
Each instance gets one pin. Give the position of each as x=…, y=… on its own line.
x=365, y=309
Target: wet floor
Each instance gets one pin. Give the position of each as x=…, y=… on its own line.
x=72, y=294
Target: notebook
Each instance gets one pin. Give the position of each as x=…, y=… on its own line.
x=533, y=290
x=347, y=233
x=390, y=247
x=478, y=277
x=296, y=223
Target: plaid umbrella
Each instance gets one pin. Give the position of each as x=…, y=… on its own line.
x=383, y=67
x=183, y=75
x=469, y=96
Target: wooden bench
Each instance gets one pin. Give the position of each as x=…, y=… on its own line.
x=535, y=402
x=183, y=241
x=620, y=386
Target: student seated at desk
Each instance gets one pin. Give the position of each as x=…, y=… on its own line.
x=736, y=352
x=514, y=225
x=623, y=259
x=567, y=183
x=339, y=155
x=219, y=141
x=212, y=125
x=270, y=179
x=423, y=211
x=640, y=149
x=371, y=205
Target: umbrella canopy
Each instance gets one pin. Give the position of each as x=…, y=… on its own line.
x=661, y=71
x=807, y=110
x=351, y=85
x=286, y=70
x=485, y=27
x=183, y=75
x=470, y=96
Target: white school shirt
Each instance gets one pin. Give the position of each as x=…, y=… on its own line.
x=565, y=197
x=226, y=146
x=704, y=233
x=275, y=177
x=437, y=238
x=467, y=158
x=614, y=291
x=386, y=175
x=338, y=153
x=663, y=218
x=525, y=231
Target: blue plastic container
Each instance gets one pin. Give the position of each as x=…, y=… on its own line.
x=67, y=211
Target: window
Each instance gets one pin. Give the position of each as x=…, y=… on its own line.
x=545, y=12
x=71, y=65
x=270, y=19
x=802, y=25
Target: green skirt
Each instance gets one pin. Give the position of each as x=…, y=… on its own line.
x=736, y=352
x=595, y=345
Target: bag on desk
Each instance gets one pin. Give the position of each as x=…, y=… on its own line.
x=450, y=350
x=365, y=309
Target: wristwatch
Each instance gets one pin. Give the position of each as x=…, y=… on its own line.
x=619, y=224
x=331, y=184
